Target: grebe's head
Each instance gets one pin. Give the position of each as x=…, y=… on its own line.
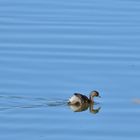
x=95, y=93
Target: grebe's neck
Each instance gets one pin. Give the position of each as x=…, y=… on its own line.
x=91, y=98
x=92, y=94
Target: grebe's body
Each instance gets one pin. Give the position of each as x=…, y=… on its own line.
x=78, y=98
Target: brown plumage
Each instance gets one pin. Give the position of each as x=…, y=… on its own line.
x=78, y=98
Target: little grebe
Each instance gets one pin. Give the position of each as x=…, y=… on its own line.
x=78, y=98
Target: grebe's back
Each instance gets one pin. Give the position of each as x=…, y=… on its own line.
x=78, y=98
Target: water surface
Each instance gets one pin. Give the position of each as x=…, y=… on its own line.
x=50, y=49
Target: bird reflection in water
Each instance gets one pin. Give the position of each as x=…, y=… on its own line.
x=85, y=106
x=79, y=102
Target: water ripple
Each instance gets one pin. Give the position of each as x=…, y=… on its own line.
x=54, y=48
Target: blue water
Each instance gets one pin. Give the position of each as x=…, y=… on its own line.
x=50, y=49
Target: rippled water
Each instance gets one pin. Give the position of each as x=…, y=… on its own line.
x=50, y=49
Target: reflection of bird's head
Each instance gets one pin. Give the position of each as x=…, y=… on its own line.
x=94, y=111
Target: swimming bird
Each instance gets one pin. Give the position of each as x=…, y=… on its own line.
x=78, y=98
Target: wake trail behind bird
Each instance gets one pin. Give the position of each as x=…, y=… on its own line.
x=12, y=102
